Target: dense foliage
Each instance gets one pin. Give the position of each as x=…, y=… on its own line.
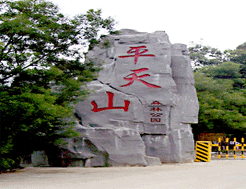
x=41, y=73
x=220, y=83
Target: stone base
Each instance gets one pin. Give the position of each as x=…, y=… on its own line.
x=175, y=147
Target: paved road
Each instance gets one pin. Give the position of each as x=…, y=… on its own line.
x=221, y=174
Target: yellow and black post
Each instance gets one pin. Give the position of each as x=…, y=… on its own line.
x=227, y=148
x=219, y=148
x=234, y=148
x=242, y=148
x=203, y=151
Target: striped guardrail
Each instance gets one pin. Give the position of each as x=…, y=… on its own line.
x=241, y=146
x=204, y=149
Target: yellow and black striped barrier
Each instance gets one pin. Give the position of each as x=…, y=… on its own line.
x=203, y=151
x=219, y=145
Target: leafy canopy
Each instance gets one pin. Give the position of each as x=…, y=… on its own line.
x=220, y=84
x=42, y=69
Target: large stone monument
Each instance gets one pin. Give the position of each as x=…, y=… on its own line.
x=141, y=105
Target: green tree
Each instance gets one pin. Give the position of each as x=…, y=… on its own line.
x=239, y=56
x=226, y=70
x=42, y=69
x=205, y=55
x=222, y=99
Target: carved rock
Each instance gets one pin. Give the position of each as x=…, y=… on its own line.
x=142, y=104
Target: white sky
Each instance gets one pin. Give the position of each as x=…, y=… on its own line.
x=220, y=23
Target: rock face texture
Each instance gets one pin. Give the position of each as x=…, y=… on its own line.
x=142, y=104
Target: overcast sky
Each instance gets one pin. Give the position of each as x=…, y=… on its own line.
x=220, y=23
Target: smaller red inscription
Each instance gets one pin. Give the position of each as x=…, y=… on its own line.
x=156, y=114
x=156, y=103
x=155, y=106
x=155, y=120
x=155, y=109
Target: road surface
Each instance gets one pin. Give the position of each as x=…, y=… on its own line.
x=221, y=174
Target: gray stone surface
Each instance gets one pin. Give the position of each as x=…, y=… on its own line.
x=142, y=104
x=39, y=158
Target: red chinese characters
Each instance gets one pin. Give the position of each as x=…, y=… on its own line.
x=156, y=109
x=134, y=77
x=110, y=104
x=137, y=53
